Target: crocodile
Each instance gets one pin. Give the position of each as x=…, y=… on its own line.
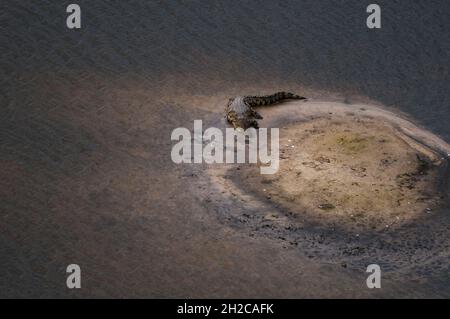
x=241, y=114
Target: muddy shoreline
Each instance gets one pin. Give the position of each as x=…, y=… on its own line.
x=258, y=215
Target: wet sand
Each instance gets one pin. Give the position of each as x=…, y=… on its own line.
x=356, y=184
x=110, y=199
x=352, y=167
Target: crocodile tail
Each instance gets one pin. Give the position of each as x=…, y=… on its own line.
x=271, y=99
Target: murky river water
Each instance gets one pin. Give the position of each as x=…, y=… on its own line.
x=87, y=115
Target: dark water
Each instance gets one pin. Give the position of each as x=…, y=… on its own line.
x=322, y=44
x=74, y=179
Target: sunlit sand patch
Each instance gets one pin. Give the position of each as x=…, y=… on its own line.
x=364, y=170
x=357, y=172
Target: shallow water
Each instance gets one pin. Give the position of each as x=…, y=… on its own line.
x=322, y=44
x=87, y=116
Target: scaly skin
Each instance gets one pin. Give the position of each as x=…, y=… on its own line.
x=240, y=113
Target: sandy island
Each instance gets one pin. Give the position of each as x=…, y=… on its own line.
x=351, y=166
